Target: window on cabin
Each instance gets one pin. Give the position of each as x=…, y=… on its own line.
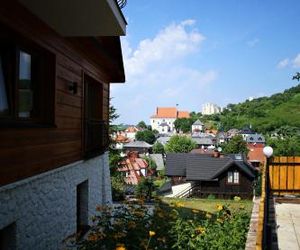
x=233, y=177
x=27, y=74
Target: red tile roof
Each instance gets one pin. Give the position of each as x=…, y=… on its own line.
x=170, y=112
x=183, y=114
x=256, y=152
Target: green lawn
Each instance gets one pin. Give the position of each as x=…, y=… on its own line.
x=210, y=205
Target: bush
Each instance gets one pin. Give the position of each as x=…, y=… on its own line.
x=136, y=226
x=211, y=197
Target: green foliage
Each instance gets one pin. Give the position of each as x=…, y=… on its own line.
x=265, y=114
x=180, y=144
x=145, y=135
x=158, y=148
x=142, y=124
x=183, y=124
x=235, y=145
x=145, y=188
x=296, y=77
x=285, y=146
x=211, y=197
x=133, y=226
x=151, y=162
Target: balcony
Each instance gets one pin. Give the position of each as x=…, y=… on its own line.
x=81, y=18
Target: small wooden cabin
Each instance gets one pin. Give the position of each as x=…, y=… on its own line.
x=223, y=177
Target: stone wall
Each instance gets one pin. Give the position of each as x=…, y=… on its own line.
x=43, y=208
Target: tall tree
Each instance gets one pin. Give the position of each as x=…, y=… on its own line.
x=180, y=144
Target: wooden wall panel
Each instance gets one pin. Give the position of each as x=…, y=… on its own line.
x=26, y=152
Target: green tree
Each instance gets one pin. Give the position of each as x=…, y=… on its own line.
x=145, y=135
x=183, y=124
x=297, y=77
x=158, y=148
x=285, y=146
x=180, y=144
x=235, y=145
x=142, y=124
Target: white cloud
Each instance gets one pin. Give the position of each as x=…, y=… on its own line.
x=296, y=61
x=158, y=72
x=253, y=42
x=287, y=62
x=283, y=63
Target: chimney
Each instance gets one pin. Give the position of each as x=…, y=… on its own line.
x=216, y=154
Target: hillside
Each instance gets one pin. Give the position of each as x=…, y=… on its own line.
x=277, y=113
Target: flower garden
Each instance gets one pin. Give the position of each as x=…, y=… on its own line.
x=169, y=225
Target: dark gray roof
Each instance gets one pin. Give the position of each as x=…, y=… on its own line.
x=202, y=167
x=159, y=161
x=255, y=138
x=176, y=164
x=203, y=140
x=198, y=122
x=137, y=144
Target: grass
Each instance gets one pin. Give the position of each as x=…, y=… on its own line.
x=210, y=205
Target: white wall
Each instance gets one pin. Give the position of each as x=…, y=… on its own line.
x=43, y=207
x=155, y=122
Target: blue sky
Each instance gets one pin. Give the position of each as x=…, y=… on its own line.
x=194, y=51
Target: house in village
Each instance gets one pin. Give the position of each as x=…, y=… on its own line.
x=246, y=131
x=140, y=146
x=224, y=177
x=167, y=117
x=55, y=74
x=197, y=127
x=134, y=168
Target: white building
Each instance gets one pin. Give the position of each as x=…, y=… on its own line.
x=163, y=120
x=197, y=126
x=210, y=109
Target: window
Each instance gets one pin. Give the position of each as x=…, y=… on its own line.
x=27, y=76
x=233, y=177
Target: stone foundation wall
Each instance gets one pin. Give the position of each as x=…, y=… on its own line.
x=42, y=209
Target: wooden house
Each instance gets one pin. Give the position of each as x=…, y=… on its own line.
x=223, y=177
x=57, y=60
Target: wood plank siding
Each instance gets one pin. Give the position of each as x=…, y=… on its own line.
x=27, y=151
x=284, y=173
x=220, y=188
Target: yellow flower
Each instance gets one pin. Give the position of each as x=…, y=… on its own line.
x=92, y=237
x=151, y=233
x=200, y=230
x=220, y=220
x=179, y=204
x=236, y=198
x=120, y=247
x=195, y=211
x=219, y=207
x=208, y=215
x=242, y=207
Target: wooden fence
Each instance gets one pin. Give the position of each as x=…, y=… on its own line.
x=284, y=178
x=284, y=174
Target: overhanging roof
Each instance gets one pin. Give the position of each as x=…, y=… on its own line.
x=80, y=18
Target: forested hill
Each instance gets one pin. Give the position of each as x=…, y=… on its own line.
x=278, y=113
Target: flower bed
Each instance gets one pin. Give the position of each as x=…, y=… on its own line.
x=167, y=226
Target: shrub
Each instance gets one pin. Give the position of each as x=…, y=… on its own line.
x=136, y=226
